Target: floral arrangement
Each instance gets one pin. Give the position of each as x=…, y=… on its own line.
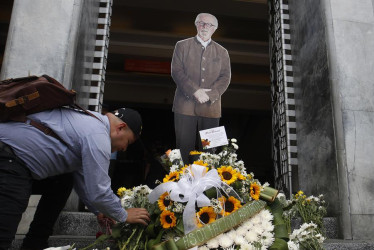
x=194, y=196
x=311, y=211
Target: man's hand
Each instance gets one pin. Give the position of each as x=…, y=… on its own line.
x=201, y=95
x=138, y=215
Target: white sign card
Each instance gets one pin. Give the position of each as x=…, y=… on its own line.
x=213, y=137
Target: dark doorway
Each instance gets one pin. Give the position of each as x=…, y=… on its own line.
x=142, y=39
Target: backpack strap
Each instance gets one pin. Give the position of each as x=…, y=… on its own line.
x=46, y=130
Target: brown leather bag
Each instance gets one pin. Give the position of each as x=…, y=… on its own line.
x=20, y=97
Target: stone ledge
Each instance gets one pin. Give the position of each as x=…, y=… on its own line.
x=337, y=244
x=76, y=223
x=83, y=241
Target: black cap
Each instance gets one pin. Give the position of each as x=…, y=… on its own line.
x=132, y=118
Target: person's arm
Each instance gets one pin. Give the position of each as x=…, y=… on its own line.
x=94, y=183
x=220, y=85
x=179, y=75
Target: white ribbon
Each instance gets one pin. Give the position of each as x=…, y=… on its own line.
x=190, y=189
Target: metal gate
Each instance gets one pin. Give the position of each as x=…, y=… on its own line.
x=284, y=141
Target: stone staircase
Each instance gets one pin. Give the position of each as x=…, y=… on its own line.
x=80, y=228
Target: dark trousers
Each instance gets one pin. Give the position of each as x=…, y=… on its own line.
x=186, y=128
x=16, y=186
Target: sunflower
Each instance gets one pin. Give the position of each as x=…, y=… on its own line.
x=255, y=190
x=206, y=215
x=194, y=152
x=241, y=177
x=121, y=192
x=228, y=174
x=230, y=205
x=201, y=163
x=173, y=176
x=164, y=201
x=168, y=219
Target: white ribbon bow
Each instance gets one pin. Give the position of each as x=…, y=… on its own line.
x=190, y=189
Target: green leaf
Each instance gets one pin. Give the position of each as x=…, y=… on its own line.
x=116, y=233
x=155, y=241
x=279, y=244
x=150, y=230
x=180, y=226
x=211, y=193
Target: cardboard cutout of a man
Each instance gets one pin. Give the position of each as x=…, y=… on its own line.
x=202, y=72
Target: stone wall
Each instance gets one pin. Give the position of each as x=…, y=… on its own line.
x=53, y=37
x=315, y=132
x=350, y=40
x=333, y=55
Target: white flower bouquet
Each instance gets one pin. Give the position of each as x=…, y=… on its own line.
x=210, y=204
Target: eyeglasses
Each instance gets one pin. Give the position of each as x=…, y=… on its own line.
x=208, y=25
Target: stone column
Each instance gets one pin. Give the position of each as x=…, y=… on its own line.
x=53, y=37
x=333, y=55
x=42, y=39
x=350, y=42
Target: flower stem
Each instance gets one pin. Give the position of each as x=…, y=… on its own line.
x=128, y=240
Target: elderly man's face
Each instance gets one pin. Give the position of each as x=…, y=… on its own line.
x=205, y=27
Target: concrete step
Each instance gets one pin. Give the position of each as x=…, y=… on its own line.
x=85, y=224
x=84, y=241
x=336, y=244
x=61, y=240
x=80, y=228
x=77, y=224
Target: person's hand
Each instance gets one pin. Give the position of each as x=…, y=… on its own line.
x=138, y=215
x=201, y=95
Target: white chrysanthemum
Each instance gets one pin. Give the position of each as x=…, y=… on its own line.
x=240, y=164
x=175, y=154
x=320, y=238
x=235, y=146
x=213, y=243
x=258, y=230
x=241, y=231
x=127, y=202
x=233, y=140
x=232, y=233
x=266, y=184
x=292, y=245
x=247, y=246
x=142, y=190
x=239, y=240
x=267, y=239
x=256, y=219
x=178, y=207
x=267, y=226
x=174, y=168
x=251, y=236
x=248, y=225
x=281, y=195
x=266, y=215
x=225, y=241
